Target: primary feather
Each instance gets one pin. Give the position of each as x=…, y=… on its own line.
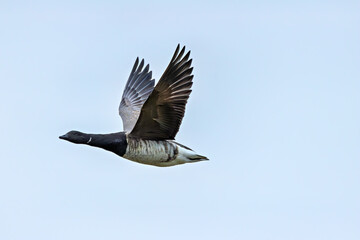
x=137, y=89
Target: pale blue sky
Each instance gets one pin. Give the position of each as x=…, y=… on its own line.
x=275, y=106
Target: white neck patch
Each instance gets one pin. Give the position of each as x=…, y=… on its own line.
x=89, y=140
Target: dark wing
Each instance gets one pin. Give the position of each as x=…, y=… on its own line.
x=163, y=111
x=137, y=90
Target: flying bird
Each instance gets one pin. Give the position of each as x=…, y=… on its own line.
x=151, y=116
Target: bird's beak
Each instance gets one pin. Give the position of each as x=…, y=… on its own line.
x=64, y=137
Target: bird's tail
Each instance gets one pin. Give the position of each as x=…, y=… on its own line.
x=188, y=155
x=197, y=158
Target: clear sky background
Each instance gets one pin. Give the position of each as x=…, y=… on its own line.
x=275, y=106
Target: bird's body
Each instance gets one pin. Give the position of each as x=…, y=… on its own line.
x=159, y=153
x=151, y=117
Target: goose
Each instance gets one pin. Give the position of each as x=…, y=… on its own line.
x=151, y=116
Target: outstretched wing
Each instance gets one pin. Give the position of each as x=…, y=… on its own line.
x=137, y=90
x=163, y=111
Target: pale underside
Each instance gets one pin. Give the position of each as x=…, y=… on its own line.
x=158, y=153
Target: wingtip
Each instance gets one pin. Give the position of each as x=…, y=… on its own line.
x=147, y=67
x=187, y=56
x=182, y=50
x=175, y=53
x=141, y=65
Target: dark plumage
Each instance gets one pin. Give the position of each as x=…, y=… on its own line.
x=114, y=142
x=151, y=116
x=162, y=113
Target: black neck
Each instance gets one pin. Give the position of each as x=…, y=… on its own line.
x=114, y=142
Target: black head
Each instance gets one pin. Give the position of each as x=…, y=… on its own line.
x=76, y=137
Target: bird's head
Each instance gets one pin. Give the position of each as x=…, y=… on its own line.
x=76, y=137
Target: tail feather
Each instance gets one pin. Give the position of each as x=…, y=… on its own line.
x=198, y=158
x=185, y=154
